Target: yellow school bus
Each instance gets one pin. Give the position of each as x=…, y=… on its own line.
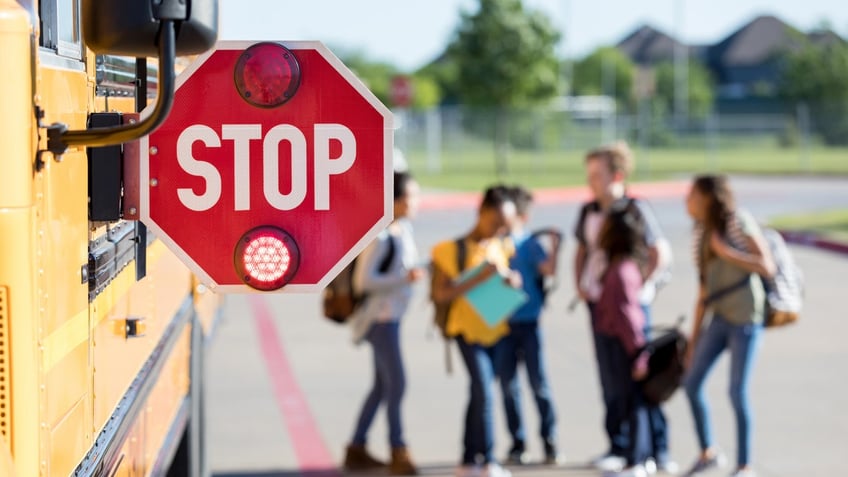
x=101, y=327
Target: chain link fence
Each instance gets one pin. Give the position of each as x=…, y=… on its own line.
x=457, y=139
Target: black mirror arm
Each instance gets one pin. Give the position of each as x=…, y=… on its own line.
x=59, y=138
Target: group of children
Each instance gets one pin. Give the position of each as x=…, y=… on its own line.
x=621, y=260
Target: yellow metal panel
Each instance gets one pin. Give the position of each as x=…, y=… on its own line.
x=63, y=340
x=7, y=467
x=156, y=299
x=16, y=133
x=61, y=237
x=67, y=384
x=115, y=359
x=63, y=230
x=17, y=273
x=166, y=397
x=67, y=440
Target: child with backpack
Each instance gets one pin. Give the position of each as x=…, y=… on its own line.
x=482, y=246
x=730, y=252
x=607, y=169
x=377, y=320
x=524, y=341
x=619, y=325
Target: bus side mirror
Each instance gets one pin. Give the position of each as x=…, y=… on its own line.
x=131, y=27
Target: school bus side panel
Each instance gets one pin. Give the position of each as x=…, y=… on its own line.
x=155, y=301
x=20, y=424
x=62, y=238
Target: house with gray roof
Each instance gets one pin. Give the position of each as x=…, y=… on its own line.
x=745, y=65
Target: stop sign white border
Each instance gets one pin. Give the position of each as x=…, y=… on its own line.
x=388, y=176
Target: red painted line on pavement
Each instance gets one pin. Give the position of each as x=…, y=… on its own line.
x=311, y=451
x=563, y=195
x=811, y=240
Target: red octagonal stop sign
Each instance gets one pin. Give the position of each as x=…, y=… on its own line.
x=318, y=166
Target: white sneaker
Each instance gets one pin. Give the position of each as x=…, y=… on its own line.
x=635, y=471
x=468, y=470
x=650, y=466
x=609, y=463
x=493, y=469
x=668, y=466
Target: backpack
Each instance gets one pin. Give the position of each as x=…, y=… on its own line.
x=441, y=311
x=340, y=299
x=784, y=290
x=547, y=283
x=642, y=208
x=666, y=365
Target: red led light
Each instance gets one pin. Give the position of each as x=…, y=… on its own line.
x=266, y=258
x=267, y=75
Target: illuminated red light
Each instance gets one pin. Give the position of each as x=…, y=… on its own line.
x=266, y=258
x=267, y=75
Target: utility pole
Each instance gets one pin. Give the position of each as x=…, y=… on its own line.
x=681, y=66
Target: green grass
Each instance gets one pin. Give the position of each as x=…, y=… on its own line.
x=832, y=224
x=472, y=167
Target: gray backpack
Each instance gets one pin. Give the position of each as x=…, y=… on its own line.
x=785, y=290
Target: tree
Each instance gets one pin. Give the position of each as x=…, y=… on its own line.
x=376, y=75
x=590, y=78
x=425, y=92
x=505, y=58
x=818, y=75
x=700, y=88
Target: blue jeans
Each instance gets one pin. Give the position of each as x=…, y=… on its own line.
x=524, y=342
x=389, y=383
x=478, y=438
x=743, y=342
x=628, y=401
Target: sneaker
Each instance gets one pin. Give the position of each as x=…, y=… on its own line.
x=650, y=466
x=493, y=469
x=714, y=461
x=635, y=471
x=744, y=473
x=358, y=459
x=468, y=470
x=552, y=455
x=517, y=454
x=667, y=466
x=609, y=463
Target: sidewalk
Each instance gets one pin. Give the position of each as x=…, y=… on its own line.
x=440, y=200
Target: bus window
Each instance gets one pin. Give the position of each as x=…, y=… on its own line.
x=60, y=27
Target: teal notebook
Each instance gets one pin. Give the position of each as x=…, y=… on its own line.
x=493, y=299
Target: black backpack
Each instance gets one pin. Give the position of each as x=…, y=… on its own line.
x=340, y=299
x=666, y=365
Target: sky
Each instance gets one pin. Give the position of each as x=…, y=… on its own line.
x=410, y=33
